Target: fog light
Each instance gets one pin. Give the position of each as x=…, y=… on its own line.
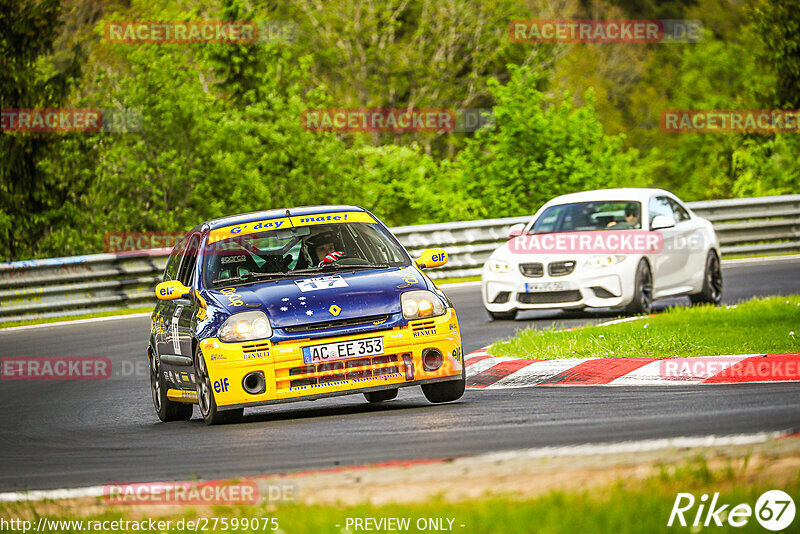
x=431, y=359
x=254, y=383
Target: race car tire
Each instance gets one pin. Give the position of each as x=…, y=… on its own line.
x=446, y=391
x=212, y=415
x=166, y=409
x=642, y=302
x=380, y=396
x=503, y=316
x=712, y=282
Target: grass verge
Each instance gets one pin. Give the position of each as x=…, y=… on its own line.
x=623, y=506
x=765, y=325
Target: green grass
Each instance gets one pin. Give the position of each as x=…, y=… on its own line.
x=126, y=311
x=768, y=325
x=626, y=506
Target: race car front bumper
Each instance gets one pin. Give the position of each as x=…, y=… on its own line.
x=407, y=359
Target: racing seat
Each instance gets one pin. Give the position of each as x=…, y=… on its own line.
x=231, y=263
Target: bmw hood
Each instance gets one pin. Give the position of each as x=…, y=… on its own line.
x=324, y=297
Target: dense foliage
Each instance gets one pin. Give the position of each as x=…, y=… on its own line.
x=221, y=128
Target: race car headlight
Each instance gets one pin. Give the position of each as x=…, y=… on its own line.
x=499, y=266
x=606, y=261
x=421, y=304
x=246, y=326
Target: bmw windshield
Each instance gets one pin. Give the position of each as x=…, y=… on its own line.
x=289, y=252
x=588, y=216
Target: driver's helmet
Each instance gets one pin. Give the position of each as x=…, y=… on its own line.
x=632, y=208
x=321, y=238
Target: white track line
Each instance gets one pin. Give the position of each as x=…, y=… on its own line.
x=77, y=321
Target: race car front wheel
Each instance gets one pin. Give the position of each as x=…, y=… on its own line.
x=166, y=409
x=205, y=396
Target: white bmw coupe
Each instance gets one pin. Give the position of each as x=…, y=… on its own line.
x=610, y=248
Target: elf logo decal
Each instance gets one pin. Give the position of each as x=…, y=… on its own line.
x=233, y=298
x=221, y=386
x=457, y=354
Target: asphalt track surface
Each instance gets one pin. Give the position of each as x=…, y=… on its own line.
x=77, y=433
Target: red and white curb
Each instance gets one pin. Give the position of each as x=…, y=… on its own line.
x=488, y=372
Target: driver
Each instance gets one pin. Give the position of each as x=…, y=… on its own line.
x=631, y=217
x=323, y=249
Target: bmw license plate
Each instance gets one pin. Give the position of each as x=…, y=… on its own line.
x=344, y=349
x=545, y=286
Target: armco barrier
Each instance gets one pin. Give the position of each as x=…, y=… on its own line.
x=103, y=282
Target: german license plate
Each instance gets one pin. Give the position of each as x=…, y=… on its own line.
x=344, y=349
x=545, y=286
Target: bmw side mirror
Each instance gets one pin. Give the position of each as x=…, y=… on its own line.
x=516, y=230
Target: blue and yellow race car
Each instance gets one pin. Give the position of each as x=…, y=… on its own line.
x=298, y=304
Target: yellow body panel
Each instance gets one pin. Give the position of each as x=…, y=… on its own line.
x=289, y=378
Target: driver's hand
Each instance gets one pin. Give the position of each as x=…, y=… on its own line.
x=332, y=257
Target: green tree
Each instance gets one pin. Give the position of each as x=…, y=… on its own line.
x=541, y=147
x=31, y=200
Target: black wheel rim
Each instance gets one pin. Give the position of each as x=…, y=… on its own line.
x=715, y=279
x=646, y=290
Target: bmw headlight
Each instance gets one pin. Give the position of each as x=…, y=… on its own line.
x=606, y=261
x=421, y=304
x=246, y=326
x=499, y=266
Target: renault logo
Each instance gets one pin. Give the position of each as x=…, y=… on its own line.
x=335, y=310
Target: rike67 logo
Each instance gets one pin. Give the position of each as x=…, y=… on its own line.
x=774, y=510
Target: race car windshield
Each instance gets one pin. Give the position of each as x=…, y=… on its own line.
x=589, y=216
x=289, y=251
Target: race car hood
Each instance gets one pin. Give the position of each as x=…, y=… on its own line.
x=325, y=297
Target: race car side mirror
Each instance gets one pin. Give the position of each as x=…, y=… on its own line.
x=662, y=221
x=171, y=290
x=432, y=257
x=516, y=230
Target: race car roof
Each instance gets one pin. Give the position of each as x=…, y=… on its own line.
x=274, y=214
